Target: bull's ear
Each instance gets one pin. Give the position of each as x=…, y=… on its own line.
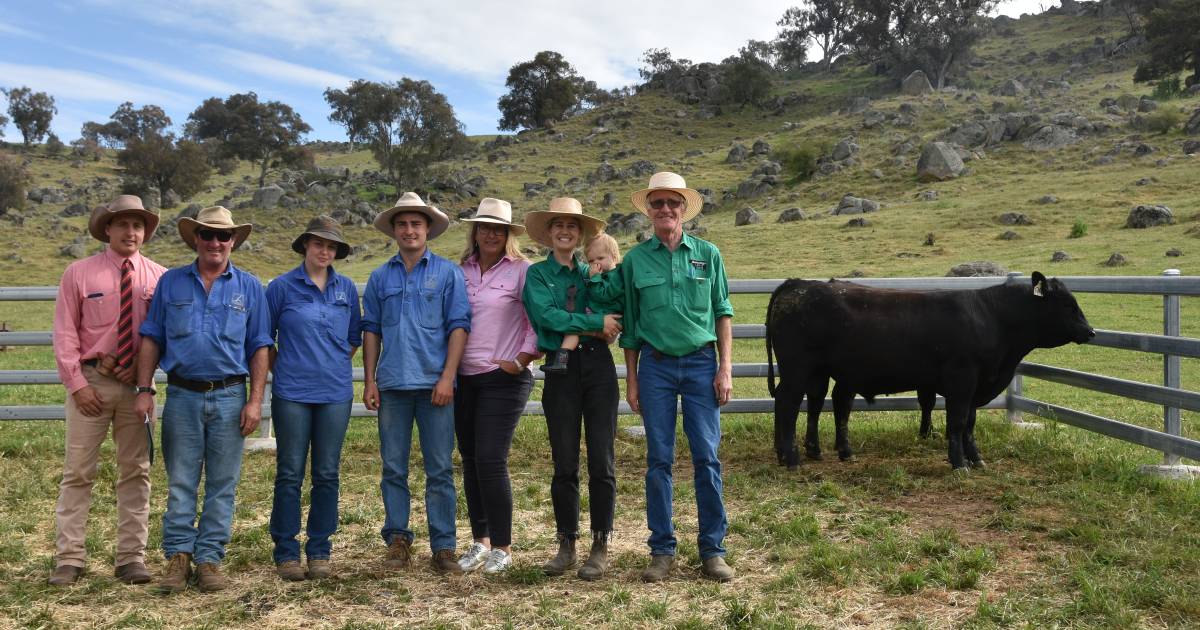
x=1039, y=284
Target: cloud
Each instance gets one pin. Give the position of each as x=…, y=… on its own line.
x=279, y=70
x=164, y=71
x=85, y=86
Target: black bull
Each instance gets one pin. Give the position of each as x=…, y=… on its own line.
x=962, y=344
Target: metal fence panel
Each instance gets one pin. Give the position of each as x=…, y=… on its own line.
x=1144, y=392
x=1157, y=440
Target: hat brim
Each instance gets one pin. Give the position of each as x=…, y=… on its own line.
x=537, y=224
x=516, y=228
x=695, y=201
x=438, y=221
x=343, y=249
x=100, y=220
x=188, y=227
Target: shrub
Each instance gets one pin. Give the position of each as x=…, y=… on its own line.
x=1163, y=120
x=1167, y=89
x=800, y=162
x=54, y=146
x=1078, y=230
x=13, y=180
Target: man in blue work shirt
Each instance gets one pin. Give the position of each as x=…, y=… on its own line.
x=209, y=325
x=416, y=305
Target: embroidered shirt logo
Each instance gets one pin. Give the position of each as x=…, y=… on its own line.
x=238, y=301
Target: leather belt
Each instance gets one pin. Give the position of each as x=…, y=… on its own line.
x=205, y=386
x=659, y=355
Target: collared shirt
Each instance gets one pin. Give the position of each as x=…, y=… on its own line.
x=207, y=336
x=499, y=327
x=606, y=291
x=89, y=302
x=545, y=298
x=414, y=313
x=316, y=331
x=673, y=299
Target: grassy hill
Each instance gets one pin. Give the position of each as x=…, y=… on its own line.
x=1058, y=532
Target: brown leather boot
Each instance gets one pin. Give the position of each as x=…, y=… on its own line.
x=132, y=573
x=178, y=573
x=209, y=578
x=443, y=562
x=399, y=554
x=715, y=568
x=659, y=568
x=597, y=562
x=564, y=559
x=64, y=575
x=290, y=571
x=319, y=568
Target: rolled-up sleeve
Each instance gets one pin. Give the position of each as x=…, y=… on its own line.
x=455, y=303
x=152, y=326
x=258, y=325
x=722, y=307
x=354, y=332
x=275, y=300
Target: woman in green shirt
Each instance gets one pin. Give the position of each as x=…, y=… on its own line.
x=586, y=394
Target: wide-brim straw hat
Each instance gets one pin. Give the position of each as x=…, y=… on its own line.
x=666, y=180
x=411, y=202
x=497, y=211
x=326, y=227
x=537, y=223
x=213, y=218
x=124, y=204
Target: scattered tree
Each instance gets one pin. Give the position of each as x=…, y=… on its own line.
x=942, y=33
x=126, y=123
x=408, y=125
x=827, y=22
x=54, y=146
x=543, y=90
x=159, y=161
x=31, y=112
x=1173, y=38
x=659, y=69
x=3, y=123
x=264, y=133
x=747, y=80
x=13, y=180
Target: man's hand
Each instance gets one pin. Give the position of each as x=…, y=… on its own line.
x=612, y=325
x=88, y=401
x=143, y=405
x=510, y=367
x=125, y=375
x=443, y=392
x=631, y=395
x=251, y=416
x=723, y=385
x=371, y=396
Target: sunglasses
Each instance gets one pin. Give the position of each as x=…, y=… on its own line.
x=208, y=235
x=671, y=203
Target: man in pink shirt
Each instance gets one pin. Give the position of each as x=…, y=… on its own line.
x=102, y=300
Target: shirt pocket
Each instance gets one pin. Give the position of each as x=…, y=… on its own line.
x=391, y=302
x=234, y=329
x=503, y=290
x=100, y=311
x=337, y=323
x=179, y=318
x=431, y=308
x=653, y=292
x=698, y=294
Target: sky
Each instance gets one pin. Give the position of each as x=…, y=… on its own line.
x=93, y=55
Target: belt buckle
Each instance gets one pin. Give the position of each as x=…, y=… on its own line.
x=211, y=386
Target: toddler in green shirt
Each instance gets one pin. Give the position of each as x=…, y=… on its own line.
x=606, y=293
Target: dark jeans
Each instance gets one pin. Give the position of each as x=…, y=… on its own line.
x=587, y=391
x=486, y=410
x=299, y=426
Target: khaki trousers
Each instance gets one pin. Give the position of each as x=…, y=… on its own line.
x=85, y=434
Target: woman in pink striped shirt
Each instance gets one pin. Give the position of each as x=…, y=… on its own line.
x=494, y=380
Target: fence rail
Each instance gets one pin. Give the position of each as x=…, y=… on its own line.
x=1171, y=285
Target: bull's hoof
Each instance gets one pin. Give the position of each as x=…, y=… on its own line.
x=847, y=457
x=793, y=467
x=789, y=458
x=977, y=463
x=812, y=454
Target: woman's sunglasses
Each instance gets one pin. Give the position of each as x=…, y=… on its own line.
x=208, y=235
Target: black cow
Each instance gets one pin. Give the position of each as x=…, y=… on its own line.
x=962, y=344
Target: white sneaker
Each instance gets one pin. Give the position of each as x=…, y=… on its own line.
x=498, y=561
x=474, y=558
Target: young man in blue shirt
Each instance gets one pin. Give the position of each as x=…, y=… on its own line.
x=415, y=306
x=208, y=327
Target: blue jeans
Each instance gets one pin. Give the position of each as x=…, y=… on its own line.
x=661, y=382
x=297, y=426
x=397, y=410
x=201, y=433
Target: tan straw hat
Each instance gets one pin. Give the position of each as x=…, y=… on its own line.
x=213, y=218
x=411, y=202
x=124, y=204
x=673, y=182
x=538, y=221
x=327, y=228
x=496, y=211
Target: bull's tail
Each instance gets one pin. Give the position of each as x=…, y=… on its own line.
x=770, y=358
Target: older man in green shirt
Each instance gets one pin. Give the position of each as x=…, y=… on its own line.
x=676, y=310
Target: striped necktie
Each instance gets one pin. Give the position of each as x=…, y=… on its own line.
x=125, y=320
